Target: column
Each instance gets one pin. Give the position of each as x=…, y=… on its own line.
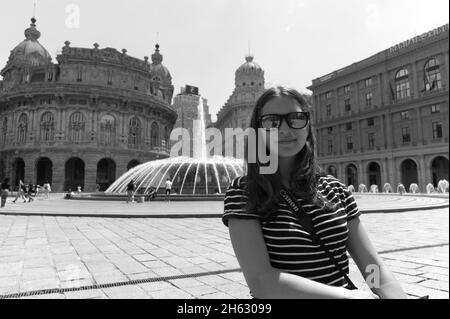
x=358, y=107
x=360, y=137
x=383, y=136
x=58, y=173
x=90, y=174
x=336, y=101
x=389, y=135
x=381, y=89
x=385, y=173
x=361, y=175
x=422, y=182
x=419, y=127
x=414, y=78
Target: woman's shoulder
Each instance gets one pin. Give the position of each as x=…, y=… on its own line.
x=239, y=182
x=329, y=181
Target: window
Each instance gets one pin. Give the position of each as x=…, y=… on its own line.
x=348, y=126
x=370, y=122
x=154, y=134
x=404, y=115
x=368, y=82
x=47, y=127
x=437, y=130
x=79, y=74
x=76, y=127
x=4, y=129
x=134, y=132
x=330, y=130
x=109, y=77
x=369, y=99
x=347, y=89
x=50, y=76
x=435, y=108
x=328, y=95
x=401, y=84
x=371, y=138
x=349, y=143
x=432, y=77
x=348, y=106
x=107, y=130
x=405, y=135
x=330, y=146
x=328, y=108
x=22, y=129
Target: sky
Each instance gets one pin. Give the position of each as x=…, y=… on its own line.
x=204, y=41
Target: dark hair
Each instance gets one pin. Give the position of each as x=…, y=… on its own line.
x=264, y=189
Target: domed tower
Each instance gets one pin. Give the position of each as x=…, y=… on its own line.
x=161, y=77
x=249, y=85
x=25, y=59
x=249, y=76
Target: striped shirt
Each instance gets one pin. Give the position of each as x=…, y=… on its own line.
x=290, y=247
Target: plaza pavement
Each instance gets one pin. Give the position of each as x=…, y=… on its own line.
x=77, y=256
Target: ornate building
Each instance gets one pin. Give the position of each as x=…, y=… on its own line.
x=237, y=111
x=385, y=118
x=84, y=120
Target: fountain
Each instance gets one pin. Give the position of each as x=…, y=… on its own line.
x=443, y=186
x=351, y=188
x=374, y=188
x=200, y=175
x=414, y=188
x=362, y=188
x=430, y=188
x=401, y=189
x=387, y=188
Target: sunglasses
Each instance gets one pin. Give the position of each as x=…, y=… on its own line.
x=295, y=120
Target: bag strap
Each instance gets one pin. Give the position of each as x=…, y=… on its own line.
x=306, y=221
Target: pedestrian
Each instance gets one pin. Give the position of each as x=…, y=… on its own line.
x=168, y=188
x=20, y=192
x=150, y=194
x=79, y=189
x=97, y=188
x=130, y=191
x=291, y=229
x=30, y=191
x=47, y=189
x=4, y=189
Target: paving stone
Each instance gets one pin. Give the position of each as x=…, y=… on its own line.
x=125, y=292
x=441, y=285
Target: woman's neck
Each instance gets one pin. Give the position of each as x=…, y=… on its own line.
x=285, y=167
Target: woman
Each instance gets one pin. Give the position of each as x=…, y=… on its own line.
x=4, y=188
x=277, y=252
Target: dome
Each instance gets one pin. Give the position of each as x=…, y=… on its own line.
x=157, y=68
x=30, y=51
x=249, y=65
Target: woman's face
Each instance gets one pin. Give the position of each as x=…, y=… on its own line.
x=290, y=140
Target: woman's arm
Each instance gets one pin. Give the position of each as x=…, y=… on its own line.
x=377, y=276
x=267, y=282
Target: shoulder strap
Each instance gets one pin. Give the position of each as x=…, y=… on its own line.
x=305, y=220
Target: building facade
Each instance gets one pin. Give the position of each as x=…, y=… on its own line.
x=186, y=105
x=237, y=111
x=84, y=120
x=385, y=119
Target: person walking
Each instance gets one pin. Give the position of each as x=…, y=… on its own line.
x=47, y=189
x=168, y=188
x=130, y=191
x=4, y=189
x=20, y=192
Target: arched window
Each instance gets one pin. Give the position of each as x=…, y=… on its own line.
x=22, y=129
x=76, y=127
x=432, y=75
x=402, y=84
x=47, y=127
x=134, y=132
x=154, y=134
x=4, y=130
x=107, y=130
